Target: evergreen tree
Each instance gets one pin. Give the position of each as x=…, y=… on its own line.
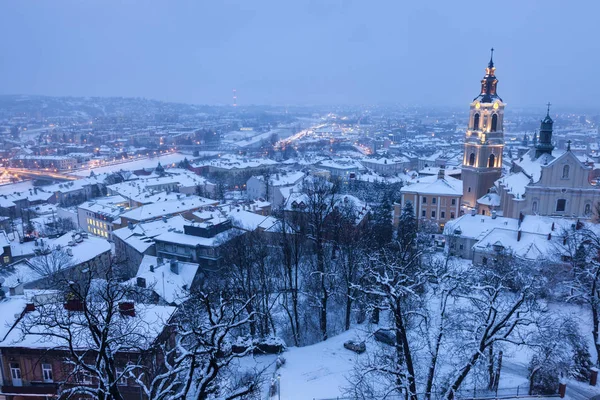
x=381, y=222
x=184, y=164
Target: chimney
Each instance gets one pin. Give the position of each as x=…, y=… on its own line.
x=174, y=266
x=494, y=214
x=130, y=225
x=127, y=308
x=549, y=236
x=473, y=212
x=552, y=226
x=441, y=173
x=29, y=307
x=141, y=282
x=518, y=235
x=164, y=219
x=16, y=290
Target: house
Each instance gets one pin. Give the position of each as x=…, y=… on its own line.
x=197, y=243
x=434, y=198
x=269, y=187
x=169, y=280
x=135, y=241
x=101, y=216
x=35, y=365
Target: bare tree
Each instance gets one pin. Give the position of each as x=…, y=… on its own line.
x=492, y=314
x=104, y=336
x=205, y=327
x=319, y=197
x=581, y=247
x=390, y=284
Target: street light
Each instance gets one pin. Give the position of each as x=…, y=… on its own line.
x=278, y=386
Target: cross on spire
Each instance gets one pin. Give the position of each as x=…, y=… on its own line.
x=569, y=145
x=548, y=104
x=491, y=63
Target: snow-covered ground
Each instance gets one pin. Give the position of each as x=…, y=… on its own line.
x=321, y=371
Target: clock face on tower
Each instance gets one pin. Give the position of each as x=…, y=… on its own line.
x=477, y=105
x=495, y=106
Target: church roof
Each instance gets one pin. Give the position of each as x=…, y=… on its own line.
x=489, y=199
x=515, y=183
x=489, y=84
x=533, y=166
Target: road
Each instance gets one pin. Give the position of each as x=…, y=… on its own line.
x=40, y=173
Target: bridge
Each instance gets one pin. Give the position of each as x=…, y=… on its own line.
x=40, y=174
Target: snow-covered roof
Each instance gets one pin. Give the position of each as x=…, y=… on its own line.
x=170, y=286
x=431, y=185
x=473, y=226
x=515, y=183
x=143, y=328
x=141, y=237
x=251, y=221
x=157, y=210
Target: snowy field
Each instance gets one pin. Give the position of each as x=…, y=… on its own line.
x=165, y=160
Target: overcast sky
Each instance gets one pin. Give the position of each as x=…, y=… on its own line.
x=303, y=51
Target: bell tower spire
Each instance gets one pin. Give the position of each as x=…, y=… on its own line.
x=545, y=143
x=484, y=141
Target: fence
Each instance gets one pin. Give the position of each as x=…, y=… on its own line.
x=472, y=394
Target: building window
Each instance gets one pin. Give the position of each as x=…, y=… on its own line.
x=476, y=121
x=494, y=122
x=15, y=374
x=442, y=214
x=588, y=209
x=432, y=214
x=424, y=200
x=484, y=260
x=6, y=259
x=482, y=212
x=47, y=373
x=434, y=200
x=561, y=205
x=451, y=215
x=469, y=189
x=423, y=213
x=534, y=207
x=461, y=247
x=123, y=379
x=453, y=202
x=565, y=174
x=492, y=161
x=472, y=159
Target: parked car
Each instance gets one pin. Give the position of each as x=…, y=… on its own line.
x=386, y=336
x=357, y=347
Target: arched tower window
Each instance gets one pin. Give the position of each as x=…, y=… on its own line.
x=565, y=174
x=472, y=159
x=494, y=122
x=476, y=121
x=588, y=209
x=492, y=161
x=534, y=207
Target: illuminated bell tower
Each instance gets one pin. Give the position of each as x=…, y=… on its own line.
x=484, y=141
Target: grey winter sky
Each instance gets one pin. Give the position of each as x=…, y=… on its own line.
x=302, y=51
